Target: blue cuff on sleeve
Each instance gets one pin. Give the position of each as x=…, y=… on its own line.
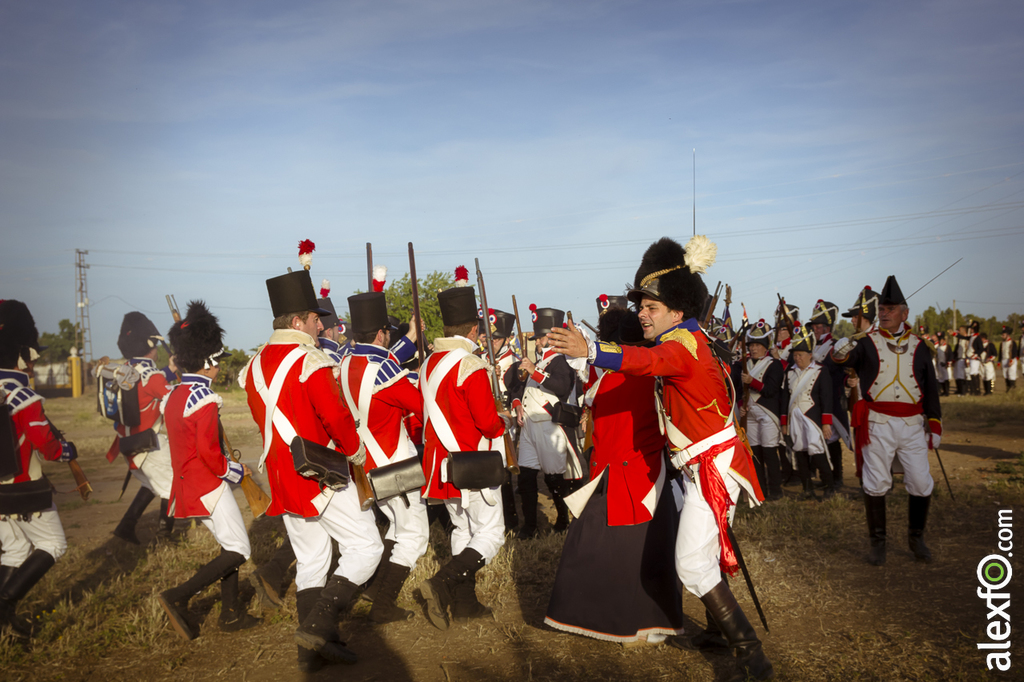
x=234, y=473
x=404, y=349
x=607, y=356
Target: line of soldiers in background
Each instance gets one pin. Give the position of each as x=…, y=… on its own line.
x=971, y=359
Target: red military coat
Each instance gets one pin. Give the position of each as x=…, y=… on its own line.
x=152, y=388
x=394, y=397
x=464, y=397
x=695, y=396
x=629, y=443
x=311, y=401
x=30, y=423
x=191, y=415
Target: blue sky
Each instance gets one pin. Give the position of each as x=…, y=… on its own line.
x=189, y=147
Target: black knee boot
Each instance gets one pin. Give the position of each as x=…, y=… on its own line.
x=917, y=517
x=465, y=605
x=126, y=528
x=319, y=629
x=825, y=471
x=759, y=467
x=528, y=500
x=739, y=633
x=18, y=583
x=773, y=472
x=557, y=486
x=875, y=510
x=439, y=591
x=788, y=472
x=835, y=456
x=803, y=467
x=308, y=659
x=175, y=600
x=233, y=615
x=165, y=526
x=268, y=579
x=390, y=579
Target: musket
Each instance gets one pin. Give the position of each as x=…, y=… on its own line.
x=363, y=489
x=81, y=480
x=943, y=467
x=258, y=500
x=369, y=267
x=588, y=326
x=710, y=311
x=172, y=303
x=511, y=461
x=787, y=319
x=421, y=343
x=522, y=337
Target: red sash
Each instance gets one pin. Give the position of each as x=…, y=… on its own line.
x=712, y=487
x=859, y=421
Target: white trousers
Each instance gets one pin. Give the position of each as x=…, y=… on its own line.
x=1010, y=372
x=155, y=472
x=697, y=545
x=227, y=525
x=762, y=429
x=543, y=446
x=409, y=529
x=896, y=438
x=478, y=525
x=959, y=370
x=974, y=367
x=355, y=531
x=43, y=531
x=988, y=371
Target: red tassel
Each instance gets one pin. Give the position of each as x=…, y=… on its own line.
x=306, y=246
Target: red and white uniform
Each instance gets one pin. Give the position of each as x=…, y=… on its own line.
x=201, y=470
x=151, y=469
x=697, y=409
x=36, y=442
x=456, y=389
x=378, y=390
x=305, y=400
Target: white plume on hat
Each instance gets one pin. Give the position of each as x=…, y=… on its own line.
x=380, y=276
x=700, y=254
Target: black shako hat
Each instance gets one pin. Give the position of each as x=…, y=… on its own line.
x=198, y=339
x=293, y=293
x=546, y=319
x=891, y=293
x=620, y=325
x=138, y=336
x=824, y=312
x=368, y=312
x=330, y=320
x=458, y=306
x=606, y=303
x=502, y=324
x=803, y=339
x=671, y=273
x=18, y=334
x=866, y=305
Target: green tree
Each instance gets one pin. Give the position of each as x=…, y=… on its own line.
x=59, y=345
x=398, y=295
x=230, y=367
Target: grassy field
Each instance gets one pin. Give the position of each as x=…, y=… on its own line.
x=832, y=616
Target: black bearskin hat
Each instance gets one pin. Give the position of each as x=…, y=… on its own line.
x=18, y=334
x=671, y=274
x=138, y=336
x=620, y=325
x=198, y=339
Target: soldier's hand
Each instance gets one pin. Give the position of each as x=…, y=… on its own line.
x=746, y=377
x=843, y=348
x=172, y=365
x=826, y=430
x=519, y=414
x=785, y=429
x=568, y=342
x=527, y=365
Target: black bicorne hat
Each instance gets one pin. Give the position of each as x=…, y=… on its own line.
x=1007, y=329
x=803, y=339
x=606, y=303
x=974, y=326
x=368, y=312
x=458, y=306
x=18, y=335
x=780, y=314
x=760, y=332
x=891, y=293
x=198, y=339
x=671, y=274
x=293, y=293
x=138, y=336
x=545, y=319
x=824, y=312
x=866, y=305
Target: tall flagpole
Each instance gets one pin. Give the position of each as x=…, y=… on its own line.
x=694, y=191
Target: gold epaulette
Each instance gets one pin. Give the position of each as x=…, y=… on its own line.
x=684, y=337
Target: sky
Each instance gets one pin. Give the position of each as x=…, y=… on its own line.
x=189, y=146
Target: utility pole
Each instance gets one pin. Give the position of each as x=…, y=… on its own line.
x=83, y=338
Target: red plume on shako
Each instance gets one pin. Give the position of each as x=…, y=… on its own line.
x=380, y=277
x=306, y=248
x=461, y=276
x=603, y=298
x=533, y=311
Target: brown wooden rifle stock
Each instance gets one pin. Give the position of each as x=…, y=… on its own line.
x=522, y=337
x=81, y=480
x=511, y=461
x=366, y=500
x=711, y=308
x=258, y=500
